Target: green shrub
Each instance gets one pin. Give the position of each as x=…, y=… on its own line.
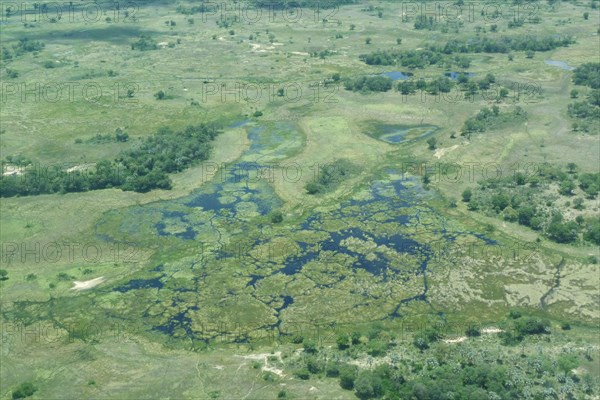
x=26, y=389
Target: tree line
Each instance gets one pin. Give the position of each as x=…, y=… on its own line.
x=434, y=54
x=586, y=112
x=432, y=369
x=141, y=169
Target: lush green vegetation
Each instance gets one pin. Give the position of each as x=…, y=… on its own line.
x=488, y=118
x=369, y=84
x=504, y=44
x=141, y=169
x=441, y=54
x=24, y=390
x=586, y=113
x=24, y=45
x=144, y=43
x=471, y=370
x=587, y=74
x=414, y=58
x=329, y=176
x=531, y=201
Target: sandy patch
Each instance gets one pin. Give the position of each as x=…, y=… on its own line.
x=274, y=370
x=457, y=340
x=492, y=329
x=439, y=153
x=79, y=167
x=264, y=357
x=12, y=170
x=299, y=53
x=83, y=285
x=259, y=48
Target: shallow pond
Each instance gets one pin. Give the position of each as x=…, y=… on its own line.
x=454, y=74
x=559, y=64
x=396, y=134
x=397, y=75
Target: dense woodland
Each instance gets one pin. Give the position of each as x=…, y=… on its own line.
x=533, y=201
x=141, y=169
x=442, y=371
x=585, y=111
x=437, y=54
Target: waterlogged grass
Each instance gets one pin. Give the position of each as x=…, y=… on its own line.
x=396, y=134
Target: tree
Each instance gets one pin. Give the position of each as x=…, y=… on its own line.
x=529, y=53
x=368, y=40
x=276, y=217
x=466, y=195
x=26, y=389
x=313, y=365
x=431, y=142
x=510, y=214
x=566, y=187
x=586, y=15
x=3, y=274
x=567, y=362
x=310, y=346
x=347, y=377
x=562, y=232
x=121, y=136
x=574, y=93
x=420, y=343
x=499, y=202
x=532, y=326
x=302, y=373
x=472, y=331
x=343, y=342
x=367, y=385
x=160, y=95
x=313, y=187
x=525, y=214
x=592, y=233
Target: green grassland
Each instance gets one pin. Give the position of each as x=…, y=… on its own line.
x=204, y=301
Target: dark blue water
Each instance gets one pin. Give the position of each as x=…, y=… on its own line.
x=397, y=134
x=135, y=284
x=384, y=219
x=454, y=75
x=560, y=64
x=397, y=75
